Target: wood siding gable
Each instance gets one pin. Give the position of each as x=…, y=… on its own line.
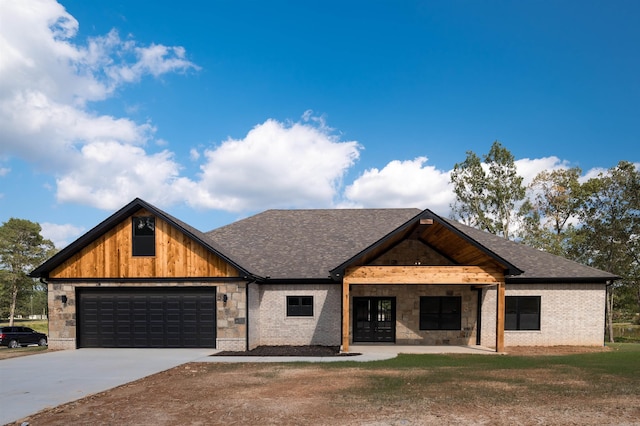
x=177, y=256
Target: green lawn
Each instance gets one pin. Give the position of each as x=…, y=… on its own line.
x=485, y=378
x=41, y=326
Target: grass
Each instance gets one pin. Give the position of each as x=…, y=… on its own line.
x=41, y=326
x=500, y=379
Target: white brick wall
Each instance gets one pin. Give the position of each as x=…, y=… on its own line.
x=275, y=328
x=571, y=314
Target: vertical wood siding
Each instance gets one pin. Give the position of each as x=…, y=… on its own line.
x=177, y=256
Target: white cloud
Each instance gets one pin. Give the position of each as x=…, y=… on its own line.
x=402, y=184
x=275, y=165
x=529, y=168
x=112, y=174
x=61, y=235
x=46, y=80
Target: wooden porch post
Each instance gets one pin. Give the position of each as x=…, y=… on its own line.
x=500, y=305
x=345, y=316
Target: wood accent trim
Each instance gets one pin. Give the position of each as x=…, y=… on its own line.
x=424, y=275
x=500, y=305
x=345, y=316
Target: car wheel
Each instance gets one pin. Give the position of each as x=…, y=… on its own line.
x=13, y=344
x=42, y=342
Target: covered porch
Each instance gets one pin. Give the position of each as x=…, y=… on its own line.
x=386, y=304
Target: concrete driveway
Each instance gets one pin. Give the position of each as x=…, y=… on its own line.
x=31, y=383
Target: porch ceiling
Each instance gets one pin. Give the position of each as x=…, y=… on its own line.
x=442, y=239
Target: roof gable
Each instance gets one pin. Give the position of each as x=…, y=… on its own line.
x=117, y=218
x=438, y=234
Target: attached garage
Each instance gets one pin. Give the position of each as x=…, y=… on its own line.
x=135, y=317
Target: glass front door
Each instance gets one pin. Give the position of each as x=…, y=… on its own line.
x=374, y=319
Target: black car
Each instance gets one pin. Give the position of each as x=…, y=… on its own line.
x=14, y=337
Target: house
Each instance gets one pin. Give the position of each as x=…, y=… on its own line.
x=143, y=278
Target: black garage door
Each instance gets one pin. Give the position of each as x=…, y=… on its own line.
x=147, y=317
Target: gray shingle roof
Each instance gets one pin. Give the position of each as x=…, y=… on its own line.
x=305, y=244
x=308, y=244
x=536, y=264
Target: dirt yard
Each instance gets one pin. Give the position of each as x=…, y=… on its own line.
x=314, y=394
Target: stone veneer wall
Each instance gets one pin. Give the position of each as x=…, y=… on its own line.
x=570, y=314
x=408, y=312
x=276, y=328
x=230, y=316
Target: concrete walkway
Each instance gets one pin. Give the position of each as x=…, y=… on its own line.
x=365, y=353
x=32, y=383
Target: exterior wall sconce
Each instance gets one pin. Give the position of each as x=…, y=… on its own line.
x=63, y=299
x=224, y=298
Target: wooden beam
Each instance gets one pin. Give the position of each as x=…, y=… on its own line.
x=423, y=275
x=345, y=316
x=500, y=305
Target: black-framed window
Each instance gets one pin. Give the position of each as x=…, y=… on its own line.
x=299, y=306
x=144, y=236
x=440, y=313
x=522, y=313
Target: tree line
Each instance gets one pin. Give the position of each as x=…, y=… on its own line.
x=593, y=221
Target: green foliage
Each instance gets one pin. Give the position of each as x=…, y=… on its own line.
x=488, y=191
x=596, y=223
x=22, y=248
x=554, y=201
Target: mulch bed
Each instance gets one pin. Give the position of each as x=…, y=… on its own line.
x=308, y=351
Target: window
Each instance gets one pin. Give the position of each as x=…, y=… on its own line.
x=522, y=313
x=144, y=236
x=440, y=313
x=299, y=306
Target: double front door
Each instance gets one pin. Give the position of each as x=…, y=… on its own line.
x=374, y=319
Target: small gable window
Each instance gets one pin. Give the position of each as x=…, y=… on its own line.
x=299, y=306
x=522, y=313
x=440, y=313
x=144, y=236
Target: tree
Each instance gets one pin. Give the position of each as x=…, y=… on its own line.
x=487, y=193
x=608, y=236
x=554, y=202
x=22, y=248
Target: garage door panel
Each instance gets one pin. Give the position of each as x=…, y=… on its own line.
x=147, y=317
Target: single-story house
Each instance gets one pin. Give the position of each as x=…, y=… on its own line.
x=334, y=277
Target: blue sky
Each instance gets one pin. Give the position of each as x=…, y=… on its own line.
x=215, y=110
